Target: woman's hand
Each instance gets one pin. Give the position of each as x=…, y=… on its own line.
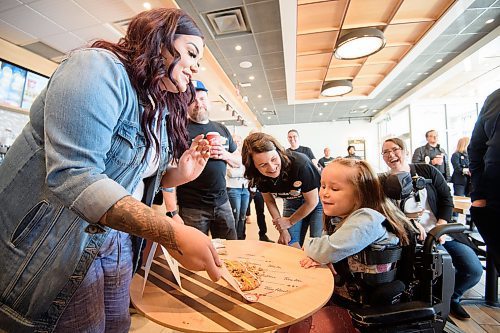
x=308, y=262
x=421, y=230
x=195, y=251
x=282, y=223
x=193, y=161
x=285, y=237
x=441, y=239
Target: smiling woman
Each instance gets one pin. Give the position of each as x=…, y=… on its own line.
x=98, y=144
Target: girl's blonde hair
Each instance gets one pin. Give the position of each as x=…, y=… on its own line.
x=462, y=145
x=370, y=194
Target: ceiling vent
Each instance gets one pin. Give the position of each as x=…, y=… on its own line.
x=43, y=50
x=121, y=26
x=228, y=21
x=269, y=112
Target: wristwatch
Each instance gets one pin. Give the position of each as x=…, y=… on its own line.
x=172, y=213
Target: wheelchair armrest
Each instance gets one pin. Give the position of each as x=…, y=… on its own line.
x=407, y=312
x=436, y=232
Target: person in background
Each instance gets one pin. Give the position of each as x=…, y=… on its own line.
x=288, y=175
x=434, y=205
x=484, y=157
x=294, y=141
x=325, y=160
x=433, y=154
x=237, y=191
x=351, y=153
x=461, y=174
x=203, y=203
x=93, y=155
x=357, y=216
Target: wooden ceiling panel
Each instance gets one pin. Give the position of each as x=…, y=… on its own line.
x=376, y=69
x=404, y=34
x=323, y=42
x=369, y=81
x=313, y=61
x=361, y=91
x=362, y=13
x=310, y=76
x=309, y=86
x=319, y=17
x=389, y=54
x=415, y=10
x=342, y=73
x=304, y=95
x=346, y=63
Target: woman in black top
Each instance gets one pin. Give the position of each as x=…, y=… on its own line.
x=461, y=173
x=289, y=175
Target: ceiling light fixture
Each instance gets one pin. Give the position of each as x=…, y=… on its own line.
x=246, y=64
x=359, y=43
x=251, y=77
x=489, y=21
x=259, y=96
x=146, y=5
x=238, y=47
x=336, y=88
x=439, y=60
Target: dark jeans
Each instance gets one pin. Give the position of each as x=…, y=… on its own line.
x=314, y=221
x=239, y=200
x=461, y=190
x=468, y=268
x=218, y=220
x=259, y=210
x=487, y=221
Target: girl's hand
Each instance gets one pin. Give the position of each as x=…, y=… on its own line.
x=421, y=230
x=441, y=239
x=282, y=223
x=308, y=262
x=193, y=161
x=285, y=237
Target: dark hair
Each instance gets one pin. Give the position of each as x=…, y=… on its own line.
x=370, y=194
x=293, y=130
x=141, y=53
x=260, y=143
x=397, y=142
x=349, y=147
x=427, y=133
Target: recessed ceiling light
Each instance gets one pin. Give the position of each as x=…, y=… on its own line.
x=489, y=21
x=439, y=60
x=321, y=113
x=259, y=96
x=234, y=74
x=409, y=84
x=325, y=104
x=374, y=110
x=246, y=64
x=426, y=73
x=203, y=68
x=223, y=123
x=389, y=99
x=419, y=73
x=269, y=117
x=238, y=47
x=146, y=5
x=363, y=106
x=251, y=77
x=265, y=109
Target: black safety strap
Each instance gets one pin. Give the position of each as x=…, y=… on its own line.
x=373, y=257
x=373, y=279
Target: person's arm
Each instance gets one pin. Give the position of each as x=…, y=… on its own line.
x=455, y=162
x=232, y=159
x=476, y=150
x=311, y=199
x=446, y=167
x=170, y=200
x=417, y=156
x=275, y=214
x=189, y=246
x=444, y=198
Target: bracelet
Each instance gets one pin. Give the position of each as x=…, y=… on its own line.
x=167, y=189
x=172, y=213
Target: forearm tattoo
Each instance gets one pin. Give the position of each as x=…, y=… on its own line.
x=134, y=217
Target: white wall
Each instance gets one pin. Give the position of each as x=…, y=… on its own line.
x=334, y=135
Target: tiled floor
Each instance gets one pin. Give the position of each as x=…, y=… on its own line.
x=483, y=319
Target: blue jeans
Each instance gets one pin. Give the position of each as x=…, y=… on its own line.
x=218, y=220
x=468, y=268
x=314, y=220
x=101, y=302
x=239, y=199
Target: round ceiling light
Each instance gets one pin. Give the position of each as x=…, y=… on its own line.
x=359, y=43
x=336, y=88
x=245, y=64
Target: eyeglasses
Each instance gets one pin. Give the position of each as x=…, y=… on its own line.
x=393, y=150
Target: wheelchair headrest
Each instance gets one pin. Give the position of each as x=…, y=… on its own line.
x=398, y=186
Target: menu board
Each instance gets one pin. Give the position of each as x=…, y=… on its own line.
x=32, y=88
x=12, y=80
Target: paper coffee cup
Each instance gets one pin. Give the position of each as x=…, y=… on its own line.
x=211, y=136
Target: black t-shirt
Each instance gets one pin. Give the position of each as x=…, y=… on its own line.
x=323, y=162
x=209, y=189
x=302, y=177
x=304, y=150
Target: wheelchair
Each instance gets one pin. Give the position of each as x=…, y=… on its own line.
x=427, y=309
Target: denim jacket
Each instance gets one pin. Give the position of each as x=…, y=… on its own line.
x=81, y=152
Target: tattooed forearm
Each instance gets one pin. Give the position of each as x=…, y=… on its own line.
x=134, y=217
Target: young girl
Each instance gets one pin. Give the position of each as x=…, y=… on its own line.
x=359, y=216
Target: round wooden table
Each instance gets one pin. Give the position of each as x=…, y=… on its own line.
x=206, y=306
